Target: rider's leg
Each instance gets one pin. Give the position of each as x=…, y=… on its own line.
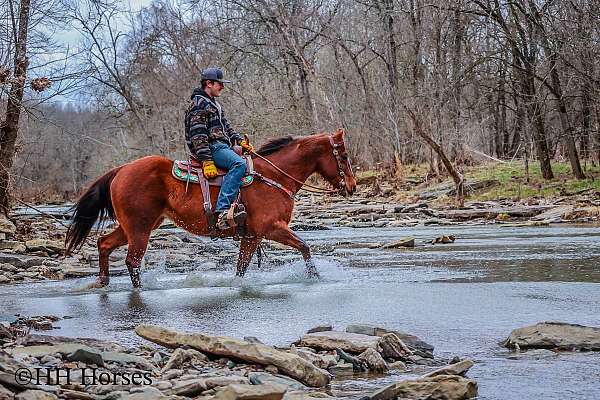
x=226, y=158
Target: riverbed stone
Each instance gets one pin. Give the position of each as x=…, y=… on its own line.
x=146, y=393
x=373, y=361
x=86, y=356
x=189, y=388
x=259, y=378
x=320, y=328
x=459, y=368
x=6, y=394
x=289, y=364
x=20, y=261
x=404, y=242
x=35, y=395
x=555, y=335
x=323, y=361
x=53, y=246
x=12, y=246
x=218, y=381
x=442, y=387
x=6, y=225
x=182, y=356
x=331, y=340
x=392, y=347
x=69, y=348
x=268, y=391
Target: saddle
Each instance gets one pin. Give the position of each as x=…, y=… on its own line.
x=190, y=171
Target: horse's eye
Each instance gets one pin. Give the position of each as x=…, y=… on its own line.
x=344, y=157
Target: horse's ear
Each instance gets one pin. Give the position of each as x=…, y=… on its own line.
x=340, y=132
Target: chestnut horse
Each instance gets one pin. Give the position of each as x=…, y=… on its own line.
x=140, y=194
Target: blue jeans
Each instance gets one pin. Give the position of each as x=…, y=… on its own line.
x=226, y=158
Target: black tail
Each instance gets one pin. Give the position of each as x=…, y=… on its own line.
x=93, y=205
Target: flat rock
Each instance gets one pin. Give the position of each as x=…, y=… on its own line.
x=35, y=395
x=442, y=387
x=20, y=260
x=459, y=368
x=12, y=245
x=491, y=213
x=320, y=328
x=331, y=340
x=259, y=378
x=289, y=364
x=555, y=214
x=251, y=392
x=55, y=246
x=404, y=242
x=555, y=335
x=102, y=345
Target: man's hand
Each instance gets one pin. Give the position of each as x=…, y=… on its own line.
x=209, y=169
x=246, y=146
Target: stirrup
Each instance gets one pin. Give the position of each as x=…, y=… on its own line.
x=224, y=222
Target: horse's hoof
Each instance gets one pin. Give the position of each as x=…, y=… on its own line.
x=312, y=274
x=99, y=283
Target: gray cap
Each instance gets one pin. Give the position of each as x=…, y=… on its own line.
x=213, y=74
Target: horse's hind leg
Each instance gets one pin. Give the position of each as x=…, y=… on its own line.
x=247, y=249
x=106, y=245
x=284, y=235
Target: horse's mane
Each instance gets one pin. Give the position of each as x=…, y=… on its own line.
x=274, y=145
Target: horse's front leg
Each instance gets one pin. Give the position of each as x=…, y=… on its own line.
x=247, y=248
x=284, y=235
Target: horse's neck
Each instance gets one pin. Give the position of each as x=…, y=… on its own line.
x=300, y=165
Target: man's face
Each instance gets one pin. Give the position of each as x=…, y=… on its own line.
x=214, y=88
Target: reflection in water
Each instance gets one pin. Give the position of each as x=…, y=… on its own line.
x=463, y=298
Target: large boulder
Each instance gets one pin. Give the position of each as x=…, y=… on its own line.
x=441, y=387
x=555, y=335
x=289, y=364
x=331, y=340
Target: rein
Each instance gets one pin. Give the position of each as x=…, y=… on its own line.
x=306, y=186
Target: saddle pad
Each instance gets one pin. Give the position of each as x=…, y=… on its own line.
x=184, y=173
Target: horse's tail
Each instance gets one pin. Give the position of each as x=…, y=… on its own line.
x=94, y=204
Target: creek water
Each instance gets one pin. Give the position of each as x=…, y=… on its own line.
x=463, y=298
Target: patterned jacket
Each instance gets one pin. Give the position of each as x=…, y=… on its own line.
x=205, y=123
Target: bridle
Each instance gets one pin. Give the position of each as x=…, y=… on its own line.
x=306, y=186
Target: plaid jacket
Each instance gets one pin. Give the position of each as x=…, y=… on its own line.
x=205, y=123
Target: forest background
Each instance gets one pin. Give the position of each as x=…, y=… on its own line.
x=103, y=83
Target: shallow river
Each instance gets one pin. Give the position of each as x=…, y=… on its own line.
x=463, y=298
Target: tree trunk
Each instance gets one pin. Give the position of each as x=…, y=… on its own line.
x=456, y=176
x=567, y=128
x=9, y=128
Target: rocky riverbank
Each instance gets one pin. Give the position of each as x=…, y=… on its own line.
x=194, y=365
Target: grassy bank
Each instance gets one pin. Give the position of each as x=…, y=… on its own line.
x=511, y=181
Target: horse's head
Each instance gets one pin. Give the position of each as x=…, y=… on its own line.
x=334, y=164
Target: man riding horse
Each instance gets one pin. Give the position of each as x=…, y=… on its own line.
x=210, y=138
